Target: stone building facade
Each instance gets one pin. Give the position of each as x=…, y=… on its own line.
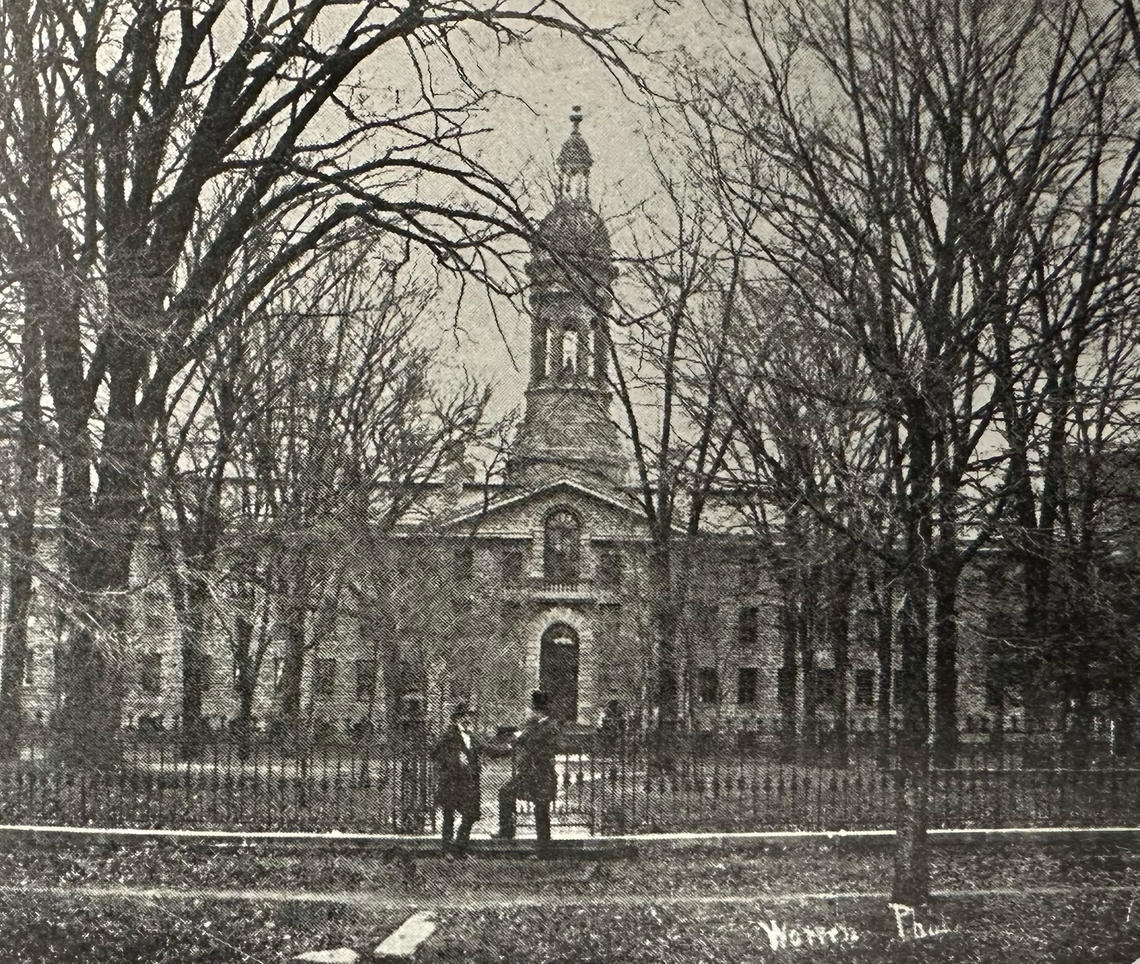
x=538, y=580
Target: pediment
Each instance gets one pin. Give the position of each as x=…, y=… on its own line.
x=519, y=513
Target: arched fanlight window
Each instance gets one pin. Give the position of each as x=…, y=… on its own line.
x=562, y=552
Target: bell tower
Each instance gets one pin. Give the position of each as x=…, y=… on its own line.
x=567, y=431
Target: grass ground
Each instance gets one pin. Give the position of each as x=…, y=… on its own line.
x=96, y=905
x=1087, y=929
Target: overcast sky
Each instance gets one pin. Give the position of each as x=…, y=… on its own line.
x=550, y=76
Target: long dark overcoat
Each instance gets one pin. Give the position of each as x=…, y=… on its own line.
x=535, y=778
x=458, y=769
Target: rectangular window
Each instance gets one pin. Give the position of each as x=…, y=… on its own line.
x=464, y=562
x=512, y=618
x=324, y=678
x=610, y=567
x=278, y=673
x=365, y=680
x=864, y=687
x=150, y=675
x=749, y=571
x=206, y=672
x=785, y=685
x=995, y=691
x=153, y=607
x=704, y=622
x=749, y=620
x=746, y=685
x=513, y=562
x=823, y=687
x=708, y=685
x=865, y=630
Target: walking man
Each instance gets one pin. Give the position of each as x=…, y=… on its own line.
x=456, y=756
x=534, y=778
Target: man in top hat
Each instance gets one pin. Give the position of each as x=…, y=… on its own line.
x=534, y=778
x=456, y=756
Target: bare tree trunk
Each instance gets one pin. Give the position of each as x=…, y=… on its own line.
x=840, y=628
x=665, y=631
x=245, y=680
x=193, y=664
x=789, y=723
x=945, y=666
x=884, y=599
x=912, y=860
x=292, y=668
x=22, y=538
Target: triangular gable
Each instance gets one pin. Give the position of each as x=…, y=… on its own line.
x=515, y=501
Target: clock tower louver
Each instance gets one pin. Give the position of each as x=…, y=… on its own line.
x=567, y=432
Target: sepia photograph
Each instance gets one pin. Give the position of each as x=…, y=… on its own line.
x=569, y=481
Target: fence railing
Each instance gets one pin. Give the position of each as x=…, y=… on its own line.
x=369, y=786
x=609, y=783
x=619, y=785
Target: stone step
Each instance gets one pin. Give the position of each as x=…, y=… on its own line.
x=402, y=943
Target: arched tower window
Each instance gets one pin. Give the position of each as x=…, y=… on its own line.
x=569, y=352
x=562, y=555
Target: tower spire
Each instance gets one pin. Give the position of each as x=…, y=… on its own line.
x=574, y=163
x=566, y=430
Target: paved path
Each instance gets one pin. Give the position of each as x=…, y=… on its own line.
x=484, y=900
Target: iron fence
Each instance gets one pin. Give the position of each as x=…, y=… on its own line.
x=705, y=782
x=377, y=786
x=609, y=783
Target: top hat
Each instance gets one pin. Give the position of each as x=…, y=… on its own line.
x=540, y=701
x=462, y=709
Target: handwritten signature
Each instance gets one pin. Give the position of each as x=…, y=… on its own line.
x=911, y=928
x=811, y=935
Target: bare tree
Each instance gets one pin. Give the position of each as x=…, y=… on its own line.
x=345, y=425
x=157, y=112
x=32, y=117
x=898, y=195
x=668, y=355
x=809, y=470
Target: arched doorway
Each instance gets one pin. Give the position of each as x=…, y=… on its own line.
x=558, y=671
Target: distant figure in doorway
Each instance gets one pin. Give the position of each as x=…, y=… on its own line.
x=534, y=778
x=456, y=757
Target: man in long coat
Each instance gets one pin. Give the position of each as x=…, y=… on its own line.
x=456, y=757
x=535, y=778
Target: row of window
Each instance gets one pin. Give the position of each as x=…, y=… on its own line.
x=324, y=675
x=561, y=558
x=821, y=681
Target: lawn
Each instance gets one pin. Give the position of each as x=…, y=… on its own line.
x=649, y=909
x=36, y=930
x=1088, y=929
x=1085, y=929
